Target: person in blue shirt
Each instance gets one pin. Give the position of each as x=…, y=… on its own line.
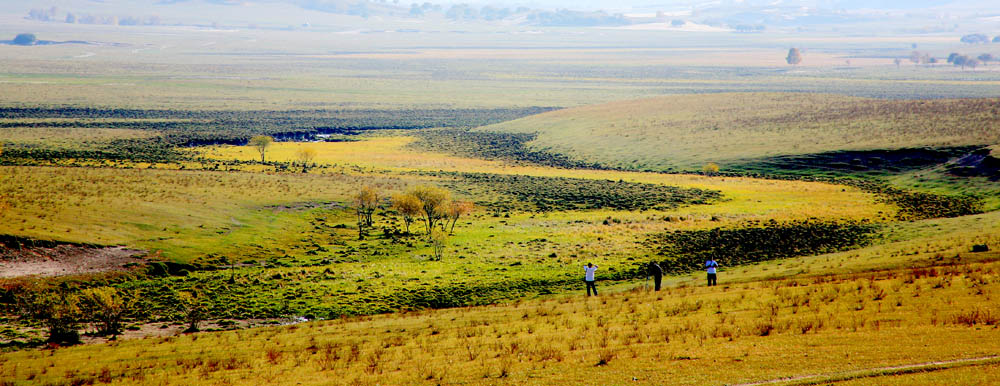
x=588, y=277
x=711, y=265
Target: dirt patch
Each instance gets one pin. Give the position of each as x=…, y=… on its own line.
x=26, y=257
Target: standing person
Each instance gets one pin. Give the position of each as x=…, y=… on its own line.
x=588, y=278
x=711, y=265
x=656, y=272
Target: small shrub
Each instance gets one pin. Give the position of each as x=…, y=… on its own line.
x=977, y=316
x=605, y=357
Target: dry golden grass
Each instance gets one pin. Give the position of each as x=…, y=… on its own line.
x=743, y=332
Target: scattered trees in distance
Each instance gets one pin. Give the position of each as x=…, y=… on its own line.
x=746, y=28
x=964, y=61
x=975, y=39
x=52, y=14
x=794, y=56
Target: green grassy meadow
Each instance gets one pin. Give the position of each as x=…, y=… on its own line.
x=853, y=191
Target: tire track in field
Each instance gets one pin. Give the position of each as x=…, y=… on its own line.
x=876, y=372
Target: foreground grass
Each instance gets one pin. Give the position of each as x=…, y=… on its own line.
x=755, y=330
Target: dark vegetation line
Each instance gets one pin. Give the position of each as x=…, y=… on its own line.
x=496, y=146
x=965, y=161
x=686, y=251
x=544, y=194
x=869, y=162
x=197, y=128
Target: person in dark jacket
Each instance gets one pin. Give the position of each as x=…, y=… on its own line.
x=656, y=272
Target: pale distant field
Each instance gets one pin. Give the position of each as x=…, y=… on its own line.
x=457, y=65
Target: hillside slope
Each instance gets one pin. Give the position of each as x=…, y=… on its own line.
x=685, y=132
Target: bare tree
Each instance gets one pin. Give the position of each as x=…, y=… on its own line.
x=439, y=242
x=192, y=309
x=365, y=202
x=458, y=209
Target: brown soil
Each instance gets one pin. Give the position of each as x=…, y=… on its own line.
x=63, y=259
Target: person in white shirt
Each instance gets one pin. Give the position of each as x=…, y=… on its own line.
x=711, y=265
x=589, y=277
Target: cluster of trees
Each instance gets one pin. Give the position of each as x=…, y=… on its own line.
x=62, y=311
x=745, y=28
x=979, y=39
x=568, y=18
x=956, y=59
x=917, y=57
x=964, y=61
x=52, y=14
x=431, y=205
x=488, y=13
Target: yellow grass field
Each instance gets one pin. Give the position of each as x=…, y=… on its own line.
x=852, y=326
x=743, y=196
